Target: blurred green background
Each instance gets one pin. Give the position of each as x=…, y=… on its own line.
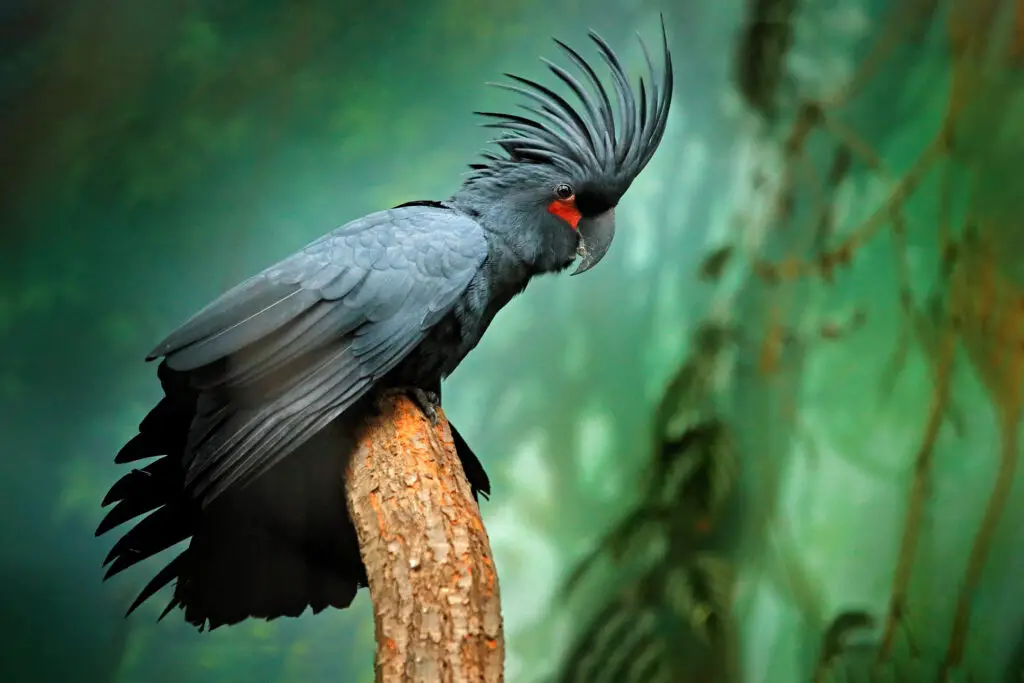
x=156, y=153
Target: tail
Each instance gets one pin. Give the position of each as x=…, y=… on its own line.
x=157, y=488
x=272, y=548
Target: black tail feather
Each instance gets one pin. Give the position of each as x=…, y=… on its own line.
x=164, y=430
x=142, y=446
x=272, y=548
x=254, y=553
x=157, y=433
x=248, y=571
x=154, y=481
x=159, y=531
x=171, y=605
x=475, y=473
x=169, y=573
x=141, y=491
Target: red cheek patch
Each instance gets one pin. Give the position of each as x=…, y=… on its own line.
x=566, y=210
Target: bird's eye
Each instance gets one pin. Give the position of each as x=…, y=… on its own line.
x=563, y=191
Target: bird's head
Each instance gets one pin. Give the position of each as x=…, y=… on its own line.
x=553, y=191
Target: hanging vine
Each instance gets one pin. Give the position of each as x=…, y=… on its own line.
x=971, y=320
x=977, y=303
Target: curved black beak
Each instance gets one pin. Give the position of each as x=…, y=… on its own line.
x=596, y=235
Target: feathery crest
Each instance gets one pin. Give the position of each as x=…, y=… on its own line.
x=598, y=138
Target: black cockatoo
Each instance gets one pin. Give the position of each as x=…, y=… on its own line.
x=264, y=388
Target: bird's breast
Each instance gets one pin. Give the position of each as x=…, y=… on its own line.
x=442, y=349
x=448, y=342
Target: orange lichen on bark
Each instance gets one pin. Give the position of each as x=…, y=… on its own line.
x=432, y=580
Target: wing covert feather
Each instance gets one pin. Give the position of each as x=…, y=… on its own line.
x=310, y=335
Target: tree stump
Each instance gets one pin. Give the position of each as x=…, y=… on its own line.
x=433, y=585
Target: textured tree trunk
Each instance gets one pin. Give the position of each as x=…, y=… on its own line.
x=433, y=585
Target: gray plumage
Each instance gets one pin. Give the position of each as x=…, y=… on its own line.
x=339, y=315
x=265, y=388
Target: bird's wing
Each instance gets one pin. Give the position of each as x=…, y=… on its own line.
x=280, y=356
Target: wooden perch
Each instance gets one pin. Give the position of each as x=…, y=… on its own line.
x=436, y=605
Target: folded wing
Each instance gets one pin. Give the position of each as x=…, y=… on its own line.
x=280, y=356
